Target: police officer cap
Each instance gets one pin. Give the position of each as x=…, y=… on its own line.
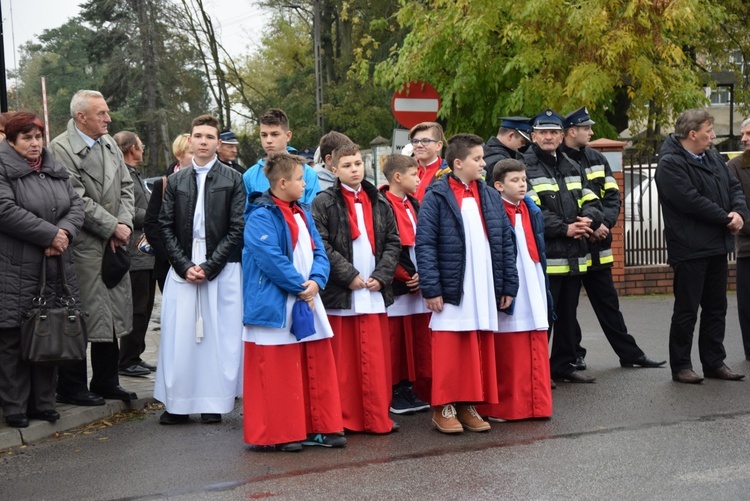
x=548, y=119
x=520, y=124
x=228, y=137
x=578, y=118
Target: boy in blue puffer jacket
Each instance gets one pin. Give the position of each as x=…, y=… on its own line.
x=291, y=395
x=467, y=272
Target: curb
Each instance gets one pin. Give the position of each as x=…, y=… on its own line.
x=71, y=416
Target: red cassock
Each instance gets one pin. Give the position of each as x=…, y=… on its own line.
x=361, y=349
x=411, y=357
x=463, y=367
x=523, y=377
x=290, y=391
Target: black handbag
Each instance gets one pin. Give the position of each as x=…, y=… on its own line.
x=115, y=265
x=53, y=336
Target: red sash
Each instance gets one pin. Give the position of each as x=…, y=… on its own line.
x=359, y=197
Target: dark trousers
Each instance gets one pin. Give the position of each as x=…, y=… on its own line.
x=72, y=378
x=743, y=300
x=24, y=388
x=699, y=282
x=601, y=291
x=565, y=291
x=134, y=344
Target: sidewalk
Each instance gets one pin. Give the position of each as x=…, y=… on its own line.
x=73, y=416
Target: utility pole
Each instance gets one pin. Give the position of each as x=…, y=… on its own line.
x=3, y=82
x=318, y=67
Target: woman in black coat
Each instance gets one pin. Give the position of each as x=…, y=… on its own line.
x=40, y=214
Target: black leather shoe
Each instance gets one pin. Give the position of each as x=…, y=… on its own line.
x=169, y=418
x=643, y=361
x=50, y=415
x=575, y=377
x=210, y=418
x=134, y=371
x=17, y=420
x=116, y=393
x=85, y=398
x=147, y=365
x=580, y=364
x=724, y=373
x=687, y=376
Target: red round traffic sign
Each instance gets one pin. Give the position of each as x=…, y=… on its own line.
x=416, y=102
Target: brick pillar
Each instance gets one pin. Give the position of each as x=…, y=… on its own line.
x=613, y=151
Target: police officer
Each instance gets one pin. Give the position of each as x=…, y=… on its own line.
x=513, y=136
x=572, y=213
x=600, y=288
x=227, y=151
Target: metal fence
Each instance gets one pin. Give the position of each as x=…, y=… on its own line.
x=644, y=225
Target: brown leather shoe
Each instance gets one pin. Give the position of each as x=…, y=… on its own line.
x=725, y=373
x=687, y=376
x=445, y=419
x=470, y=419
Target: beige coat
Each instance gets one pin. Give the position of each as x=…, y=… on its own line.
x=107, y=193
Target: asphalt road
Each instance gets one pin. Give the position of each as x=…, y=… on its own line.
x=634, y=434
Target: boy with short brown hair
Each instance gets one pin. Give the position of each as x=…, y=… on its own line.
x=291, y=393
x=408, y=318
x=467, y=273
x=361, y=239
x=427, y=139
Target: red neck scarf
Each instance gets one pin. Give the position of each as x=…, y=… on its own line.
x=528, y=231
x=288, y=210
x=405, y=226
x=359, y=197
x=461, y=191
x=36, y=164
x=426, y=175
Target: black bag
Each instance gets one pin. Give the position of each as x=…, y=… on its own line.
x=53, y=336
x=115, y=265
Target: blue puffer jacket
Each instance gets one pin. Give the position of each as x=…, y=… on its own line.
x=268, y=272
x=441, y=243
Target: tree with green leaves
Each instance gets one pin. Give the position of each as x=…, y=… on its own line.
x=502, y=57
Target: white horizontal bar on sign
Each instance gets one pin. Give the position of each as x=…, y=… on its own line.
x=407, y=104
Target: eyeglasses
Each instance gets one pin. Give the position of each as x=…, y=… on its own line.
x=424, y=142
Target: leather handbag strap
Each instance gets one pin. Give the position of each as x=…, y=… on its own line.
x=41, y=296
x=163, y=186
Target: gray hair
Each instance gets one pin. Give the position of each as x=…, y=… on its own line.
x=745, y=123
x=80, y=100
x=691, y=120
x=126, y=140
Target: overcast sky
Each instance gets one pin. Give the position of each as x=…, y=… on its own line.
x=240, y=22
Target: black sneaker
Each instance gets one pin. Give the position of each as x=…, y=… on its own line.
x=400, y=403
x=415, y=402
x=289, y=447
x=324, y=440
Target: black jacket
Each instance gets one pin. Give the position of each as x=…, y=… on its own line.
x=598, y=174
x=224, y=206
x=740, y=167
x=332, y=220
x=151, y=229
x=695, y=199
x=404, y=259
x=494, y=151
x=441, y=243
x=558, y=186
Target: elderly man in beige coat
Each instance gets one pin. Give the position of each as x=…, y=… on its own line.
x=100, y=177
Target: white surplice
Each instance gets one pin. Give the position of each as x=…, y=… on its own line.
x=303, y=261
x=363, y=300
x=530, y=306
x=412, y=303
x=201, y=374
x=478, y=308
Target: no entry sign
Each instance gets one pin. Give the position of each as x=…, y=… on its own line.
x=416, y=102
